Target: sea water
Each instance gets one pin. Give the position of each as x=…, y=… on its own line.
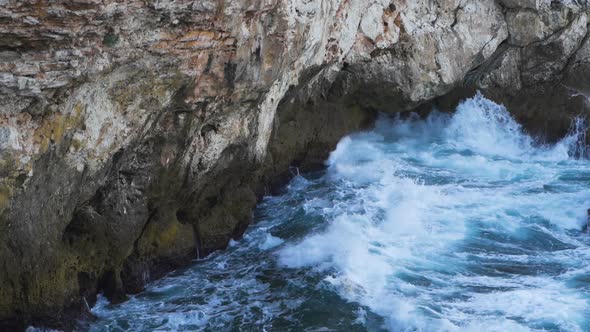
x=456, y=222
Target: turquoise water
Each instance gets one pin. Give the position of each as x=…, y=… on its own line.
x=451, y=223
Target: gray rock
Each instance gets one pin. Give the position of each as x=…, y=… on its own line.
x=137, y=135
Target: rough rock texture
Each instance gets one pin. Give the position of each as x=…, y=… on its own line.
x=136, y=135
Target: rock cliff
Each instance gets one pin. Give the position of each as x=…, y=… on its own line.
x=137, y=135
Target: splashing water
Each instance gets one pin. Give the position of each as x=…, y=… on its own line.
x=576, y=139
x=450, y=223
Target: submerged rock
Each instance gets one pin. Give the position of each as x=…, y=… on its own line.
x=137, y=136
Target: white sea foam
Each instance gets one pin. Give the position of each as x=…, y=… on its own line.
x=418, y=191
x=270, y=242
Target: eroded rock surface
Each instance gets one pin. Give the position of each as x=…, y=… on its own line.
x=136, y=135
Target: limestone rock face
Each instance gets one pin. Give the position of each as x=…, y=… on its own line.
x=137, y=135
